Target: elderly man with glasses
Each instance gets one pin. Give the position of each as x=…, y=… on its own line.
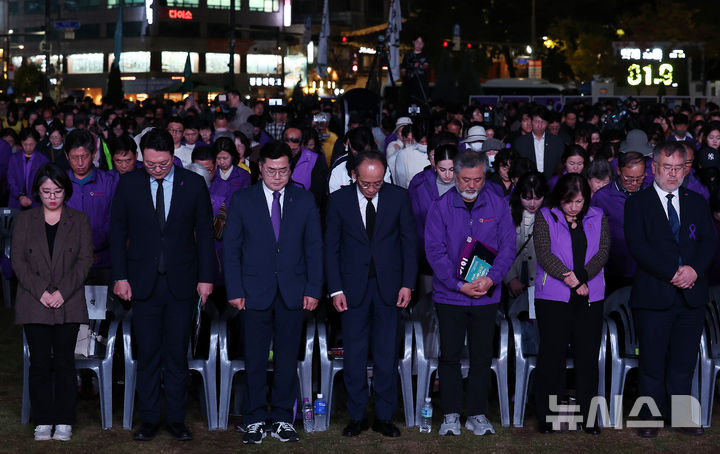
x=371, y=261
x=620, y=267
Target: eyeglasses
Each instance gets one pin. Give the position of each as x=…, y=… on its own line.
x=56, y=194
x=158, y=165
x=175, y=131
x=366, y=185
x=292, y=139
x=667, y=168
x=275, y=172
x=627, y=179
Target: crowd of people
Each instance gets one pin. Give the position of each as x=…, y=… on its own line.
x=270, y=211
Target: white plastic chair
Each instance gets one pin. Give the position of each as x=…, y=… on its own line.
x=7, y=219
x=101, y=363
x=205, y=367
x=525, y=362
x=427, y=354
x=710, y=355
x=229, y=367
x=330, y=367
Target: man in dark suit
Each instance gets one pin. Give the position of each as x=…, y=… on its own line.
x=371, y=262
x=541, y=147
x=161, y=243
x=670, y=234
x=273, y=270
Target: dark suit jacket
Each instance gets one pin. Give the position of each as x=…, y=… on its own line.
x=348, y=249
x=651, y=243
x=256, y=265
x=187, y=240
x=36, y=272
x=554, y=148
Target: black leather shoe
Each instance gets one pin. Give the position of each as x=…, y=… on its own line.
x=145, y=432
x=386, y=428
x=692, y=430
x=648, y=432
x=545, y=428
x=179, y=431
x=355, y=428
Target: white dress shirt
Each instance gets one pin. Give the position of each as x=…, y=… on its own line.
x=167, y=190
x=663, y=199
x=539, y=152
x=269, y=198
x=363, y=201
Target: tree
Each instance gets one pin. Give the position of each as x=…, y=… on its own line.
x=28, y=80
x=114, y=94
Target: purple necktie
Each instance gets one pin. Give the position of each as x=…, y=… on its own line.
x=275, y=214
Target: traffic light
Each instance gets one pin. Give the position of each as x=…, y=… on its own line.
x=445, y=44
x=344, y=39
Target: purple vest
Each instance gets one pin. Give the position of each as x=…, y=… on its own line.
x=302, y=174
x=549, y=288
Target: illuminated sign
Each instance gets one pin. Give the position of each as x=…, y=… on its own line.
x=652, y=66
x=180, y=14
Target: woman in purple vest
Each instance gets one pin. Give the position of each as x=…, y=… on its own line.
x=227, y=161
x=22, y=168
x=572, y=241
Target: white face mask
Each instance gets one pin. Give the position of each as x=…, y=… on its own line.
x=476, y=146
x=421, y=147
x=491, y=158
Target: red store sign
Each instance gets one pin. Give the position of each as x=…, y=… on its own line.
x=180, y=14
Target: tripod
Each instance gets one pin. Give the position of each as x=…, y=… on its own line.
x=374, y=82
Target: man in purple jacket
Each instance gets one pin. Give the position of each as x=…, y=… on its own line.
x=93, y=192
x=467, y=211
x=620, y=267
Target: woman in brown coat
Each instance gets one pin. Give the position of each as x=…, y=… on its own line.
x=52, y=252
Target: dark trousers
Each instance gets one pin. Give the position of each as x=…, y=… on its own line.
x=52, y=361
x=669, y=342
x=371, y=326
x=613, y=283
x=478, y=322
x=560, y=324
x=162, y=329
x=283, y=326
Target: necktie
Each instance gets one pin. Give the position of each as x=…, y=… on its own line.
x=370, y=218
x=275, y=214
x=673, y=218
x=160, y=216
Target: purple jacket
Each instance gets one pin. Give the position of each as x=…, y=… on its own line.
x=611, y=201
x=94, y=198
x=423, y=192
x=549, y=288
x=694, y=184
x=21, y=176
x=302, y=173
x=221, y=191
x=447, y=226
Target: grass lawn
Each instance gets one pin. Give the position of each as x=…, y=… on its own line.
x=88, y=437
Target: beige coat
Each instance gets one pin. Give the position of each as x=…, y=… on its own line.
x=36, y=272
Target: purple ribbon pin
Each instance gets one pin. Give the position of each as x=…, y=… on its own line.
x=692, y=229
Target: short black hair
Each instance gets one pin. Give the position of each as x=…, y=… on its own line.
x=28, y=133
x=190, y=122
x=123, y=144
x=568, y=186
x=53, y=172
x=369, y=155
x=445, y=152
x=532, y=184
x=274, y=150
x=203, y=153
x=598, y=169
x=442, y=138
x=227, y=144
x=80, y=138
x=158, y=139
x=630, y=159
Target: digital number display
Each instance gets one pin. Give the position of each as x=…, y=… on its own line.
x=650, y=74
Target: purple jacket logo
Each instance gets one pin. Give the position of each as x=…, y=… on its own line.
x=692, y=229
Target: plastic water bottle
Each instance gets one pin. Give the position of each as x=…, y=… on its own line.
x=320, y=413
x=426, y=417
x=308, y=417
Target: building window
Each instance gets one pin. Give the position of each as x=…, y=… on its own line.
x=218, y=63
x=40, y=61
x=263, y=64
x=85, y=63
x=174, y=62
x=88, y=31
x=81, y=5
x=223, y=4
x=14, y=8
x=115, y=3
x=183, y=3
x=133, y=62
x=265, y=6
x=130, y=29
x=295, y=70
